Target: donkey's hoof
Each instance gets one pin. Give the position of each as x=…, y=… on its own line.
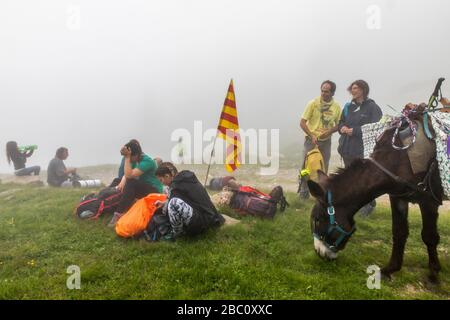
x=433, y=279
x=385, y=275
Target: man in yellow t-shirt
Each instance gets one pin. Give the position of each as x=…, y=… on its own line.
x=319, y=121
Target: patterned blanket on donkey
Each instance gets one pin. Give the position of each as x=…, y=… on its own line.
x=440, y=122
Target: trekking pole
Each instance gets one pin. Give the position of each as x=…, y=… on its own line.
x=433, y=102
x=432, y=105
x=210, y=159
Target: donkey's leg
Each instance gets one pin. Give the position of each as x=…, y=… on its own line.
x=400, y=232
x=430, y=236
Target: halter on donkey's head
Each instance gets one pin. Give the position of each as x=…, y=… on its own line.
x=333, y=229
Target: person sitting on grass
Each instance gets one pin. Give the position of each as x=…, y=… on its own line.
x=218, y=183
x=57, y=173
x=18, y=158
x=138, y=181
x=188, y=205
x=121, y=171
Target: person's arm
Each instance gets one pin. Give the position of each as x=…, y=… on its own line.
x=329, y=132
x=122, y=183
x=61, y=170
x=121, y=171
x=304, y=122
x=129, y=172
x=305, y=129
x=29, y=153
x=70, y=170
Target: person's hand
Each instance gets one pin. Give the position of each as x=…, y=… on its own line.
x=121, y=185
x=126, y=152
x=445, y=102
x=344, y=130
x=325, y=135
x=314, y=140
x=159, y=204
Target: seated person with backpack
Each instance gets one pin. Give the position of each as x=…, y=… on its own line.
x=121, y=172
x=18, y=158
x=57, y=173
x=139, y=178
x=189, y=206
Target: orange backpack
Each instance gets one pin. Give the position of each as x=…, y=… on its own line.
x=137, y=218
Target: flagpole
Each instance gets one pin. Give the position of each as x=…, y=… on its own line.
x=210, y=159
x=214, y=145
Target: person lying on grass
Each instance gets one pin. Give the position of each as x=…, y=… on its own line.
x=188, y=205
x=138, y=181
x=218, y=183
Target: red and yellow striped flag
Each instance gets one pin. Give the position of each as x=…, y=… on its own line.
x=228, y=130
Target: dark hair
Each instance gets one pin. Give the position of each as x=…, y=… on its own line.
x=363, y=85
x=332, y=85
x=135, y=148
x=166, y=168
x=60, y=152
x=134, y=141
x=11, y=150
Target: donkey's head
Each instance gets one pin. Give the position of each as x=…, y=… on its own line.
x=332, y=221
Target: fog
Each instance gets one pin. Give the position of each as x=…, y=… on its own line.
x=90, y=75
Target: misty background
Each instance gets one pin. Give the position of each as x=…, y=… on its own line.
x=92, y=74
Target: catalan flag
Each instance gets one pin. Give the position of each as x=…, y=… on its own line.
x=228, y=130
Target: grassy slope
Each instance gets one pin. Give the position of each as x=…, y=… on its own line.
x=40, y=238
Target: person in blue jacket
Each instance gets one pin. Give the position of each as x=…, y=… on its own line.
x=360, y=111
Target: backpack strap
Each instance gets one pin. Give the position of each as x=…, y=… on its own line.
x=346, y=107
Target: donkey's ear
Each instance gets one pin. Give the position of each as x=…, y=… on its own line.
x=316, y=190
x=322, y=177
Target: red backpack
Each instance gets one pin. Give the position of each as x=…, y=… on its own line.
x=92, y=206
x=250, y=201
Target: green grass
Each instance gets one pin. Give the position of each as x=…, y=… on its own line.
x=40, y=238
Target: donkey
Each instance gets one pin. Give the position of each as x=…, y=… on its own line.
x=341, y=195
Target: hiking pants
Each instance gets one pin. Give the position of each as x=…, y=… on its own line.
x=134, y=189
x=180, y=214
x=28, y=171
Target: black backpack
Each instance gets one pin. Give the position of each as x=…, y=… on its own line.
x=106, y=201
x=158, y=227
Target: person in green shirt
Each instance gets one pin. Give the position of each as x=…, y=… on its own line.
x=319, y=121
x=139, y=178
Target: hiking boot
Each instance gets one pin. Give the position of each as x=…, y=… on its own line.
x=304, y=195
x=114, y=219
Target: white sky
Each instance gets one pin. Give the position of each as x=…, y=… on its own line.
x=140, y=69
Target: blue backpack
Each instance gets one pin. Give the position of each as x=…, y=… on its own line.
x=347, y=105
